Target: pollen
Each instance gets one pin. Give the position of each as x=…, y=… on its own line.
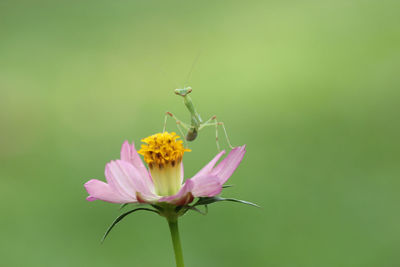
x=162, y=149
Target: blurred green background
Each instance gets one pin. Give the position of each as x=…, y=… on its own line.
x=312, y=88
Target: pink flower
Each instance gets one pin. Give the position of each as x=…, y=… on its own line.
x=129, y=181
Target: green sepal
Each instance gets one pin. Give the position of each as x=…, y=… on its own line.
x=227, y=186
x=210, y=200
x=123, y=206
x=159, y=208
x=193, y=208
x=120, y=217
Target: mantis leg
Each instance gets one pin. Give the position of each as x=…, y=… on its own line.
x=214, y=122
x=178, y=125
x=178, y=122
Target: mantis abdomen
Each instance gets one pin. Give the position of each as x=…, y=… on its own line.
x=191, y=134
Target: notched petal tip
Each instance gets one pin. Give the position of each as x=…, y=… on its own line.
x=125, y=151
x=228, y=165
x=103, y=191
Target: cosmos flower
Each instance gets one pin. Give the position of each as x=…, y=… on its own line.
x=129, y=181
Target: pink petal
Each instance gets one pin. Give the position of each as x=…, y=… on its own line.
x=183, y=197
x=182, y=172
x=229, y=164
x=119, y=181
x=208, y=168
x=129, y=154
x=102, y=191
x=128, y=180
x=206, y=186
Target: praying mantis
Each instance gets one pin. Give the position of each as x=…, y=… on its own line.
x=196, y=123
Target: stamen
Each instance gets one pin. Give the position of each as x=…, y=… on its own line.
x=162, y=149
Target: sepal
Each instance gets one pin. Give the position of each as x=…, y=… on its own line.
x=123, y=206
x=120, y=217
x=210, y=200
x=193, y=208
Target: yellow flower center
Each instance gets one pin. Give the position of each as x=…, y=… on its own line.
x=162, y=149
x=163, y=154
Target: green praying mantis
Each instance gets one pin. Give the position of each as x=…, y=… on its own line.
x=196, y=123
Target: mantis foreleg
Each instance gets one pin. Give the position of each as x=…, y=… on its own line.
x=178, y=125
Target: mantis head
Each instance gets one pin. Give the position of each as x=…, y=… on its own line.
x=184, y=91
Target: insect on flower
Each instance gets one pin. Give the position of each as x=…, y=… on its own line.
x=162, y=185
x=128, y=180
x=196, y=122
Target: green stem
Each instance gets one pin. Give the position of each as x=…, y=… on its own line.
x=176, y=242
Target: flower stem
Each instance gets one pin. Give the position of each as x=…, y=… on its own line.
x=176, y=242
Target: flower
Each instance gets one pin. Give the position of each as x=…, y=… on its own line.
x=129, y=181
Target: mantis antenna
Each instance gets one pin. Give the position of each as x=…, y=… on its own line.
x=196, y=59
x=196, y=123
